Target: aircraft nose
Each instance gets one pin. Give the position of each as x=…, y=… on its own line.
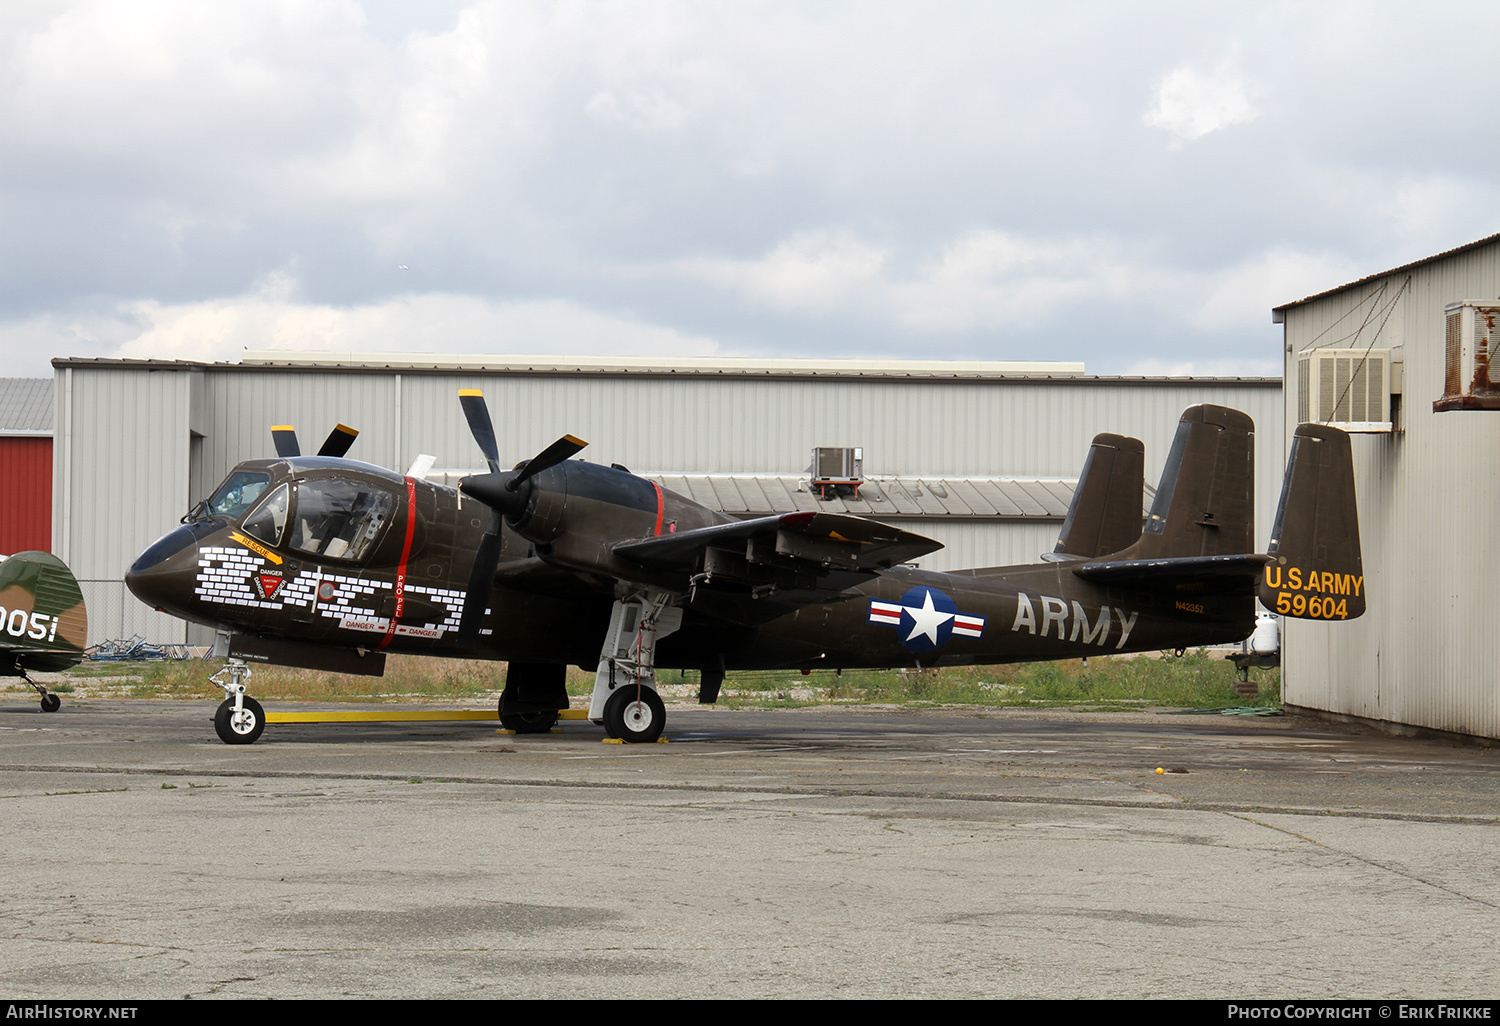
x=157, y=574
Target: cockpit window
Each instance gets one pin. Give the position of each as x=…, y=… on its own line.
x=269, y=519
x=237, y=493
x=339, y=519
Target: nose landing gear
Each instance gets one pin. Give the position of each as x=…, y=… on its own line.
x=239, y=720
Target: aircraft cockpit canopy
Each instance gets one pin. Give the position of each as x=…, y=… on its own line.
x=327, y=518
x=238, y=493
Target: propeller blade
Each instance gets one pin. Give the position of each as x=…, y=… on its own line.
x=481, y=583
x=564, y=448
x=285, y=437
x=478, y=414
x=339, y=441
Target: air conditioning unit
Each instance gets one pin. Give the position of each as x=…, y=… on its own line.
x=837, y=471
x=1348, y=388
x=1470, y=380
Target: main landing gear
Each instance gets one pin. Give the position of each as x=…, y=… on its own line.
x=625, y=697
x=239, y=720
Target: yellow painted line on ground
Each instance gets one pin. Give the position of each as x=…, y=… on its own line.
x=382, y=715
x=397, y=715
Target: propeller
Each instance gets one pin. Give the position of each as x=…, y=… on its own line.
x=336, y=445
x=506, y=493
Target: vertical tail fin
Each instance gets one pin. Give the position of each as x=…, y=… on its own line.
x=1316, y=571
x=1105, y=514
x=1205, y=504
x=46, y=624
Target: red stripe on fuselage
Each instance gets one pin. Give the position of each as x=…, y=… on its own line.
x=411, y=526
x=661, y=507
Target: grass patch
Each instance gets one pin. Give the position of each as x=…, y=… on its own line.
x=1197, y=680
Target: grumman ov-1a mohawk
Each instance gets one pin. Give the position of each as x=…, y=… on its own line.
x=43, y=623
x=328, y=563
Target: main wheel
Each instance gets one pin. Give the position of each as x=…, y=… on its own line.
x=636, y=715
x=529, y=723
x=242, y=728
x=51, y=703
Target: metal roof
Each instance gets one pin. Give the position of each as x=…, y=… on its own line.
x=604, y=367
x=1394, y=270
x=26, y=406
x=685, y=365
x=886, y=498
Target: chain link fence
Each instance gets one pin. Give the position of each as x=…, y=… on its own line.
x=123, y=627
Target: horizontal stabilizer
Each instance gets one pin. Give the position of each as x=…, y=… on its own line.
x=1172, y=571
x=1316, y=571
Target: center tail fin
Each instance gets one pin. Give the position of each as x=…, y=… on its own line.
x=1205, y=504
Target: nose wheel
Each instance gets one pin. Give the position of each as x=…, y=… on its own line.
x=239, y=720
x=240, y=726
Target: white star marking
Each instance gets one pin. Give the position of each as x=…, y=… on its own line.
x=927, y=620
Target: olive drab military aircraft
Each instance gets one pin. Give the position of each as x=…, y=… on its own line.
x=43, y=623
x=328, y=563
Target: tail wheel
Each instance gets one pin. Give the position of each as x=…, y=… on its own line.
x=51, y=703
x=239, y=728
x=635, y=715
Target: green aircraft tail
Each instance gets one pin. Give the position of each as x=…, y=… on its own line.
x=1316, y=570
x=43, y=622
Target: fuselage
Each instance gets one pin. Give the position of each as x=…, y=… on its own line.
x=340, y=553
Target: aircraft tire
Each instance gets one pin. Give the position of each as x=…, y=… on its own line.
x=51, y=703
x=529, y=723
x=249, y=727
x=632, y=721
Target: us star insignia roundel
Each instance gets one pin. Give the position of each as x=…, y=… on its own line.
x=926, y=619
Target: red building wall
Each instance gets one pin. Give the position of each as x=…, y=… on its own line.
x=25, y=494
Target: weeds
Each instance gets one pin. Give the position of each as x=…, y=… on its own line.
x=1197, y=680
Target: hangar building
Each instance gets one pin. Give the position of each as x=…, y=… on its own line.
x=980, y=456
x=1403, y=359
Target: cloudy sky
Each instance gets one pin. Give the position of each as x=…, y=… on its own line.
x=1132, y=185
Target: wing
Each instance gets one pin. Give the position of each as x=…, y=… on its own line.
x=779, y=562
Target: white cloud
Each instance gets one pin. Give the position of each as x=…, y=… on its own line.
x=1246, y=292
x=1192, y=103
x=997, y=280
x=811, y=272
x=271, y=318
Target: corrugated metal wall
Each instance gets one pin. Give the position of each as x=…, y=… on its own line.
x=1426, y=651
x=26, y=513
x=129, y=434
x=120, y=466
